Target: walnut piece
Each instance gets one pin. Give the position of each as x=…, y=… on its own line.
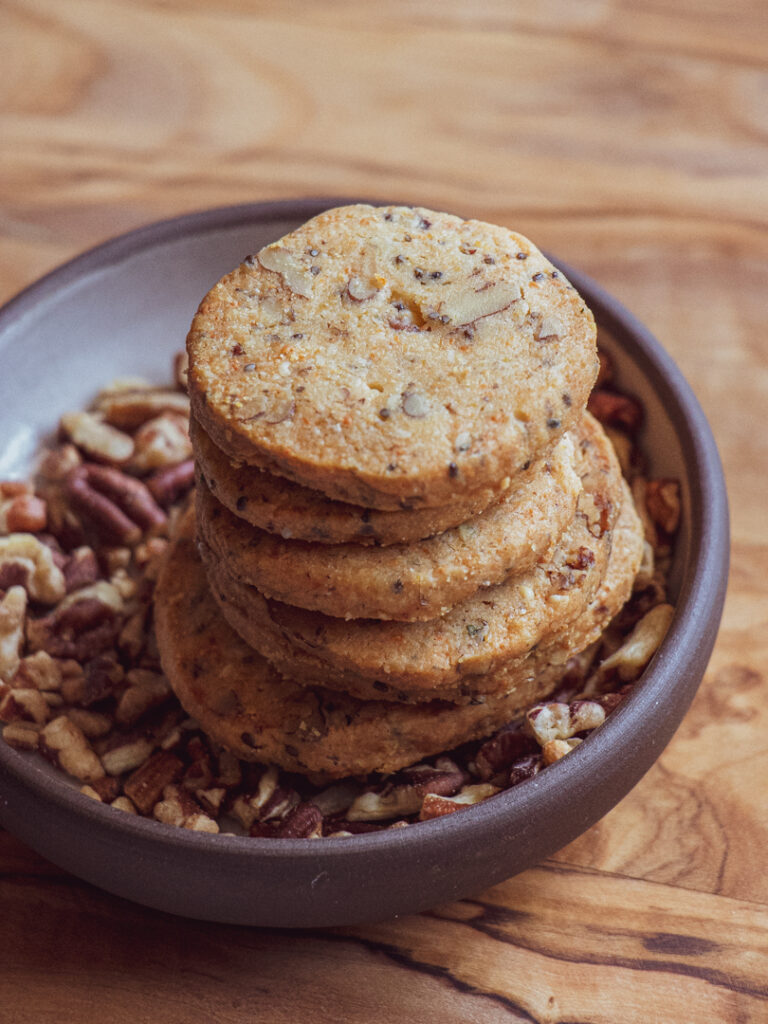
x=44, y=580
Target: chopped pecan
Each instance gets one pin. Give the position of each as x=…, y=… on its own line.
x=212, y=800
x=638, y=648
x=81, y=569
x=44, y=580
x=13, y=607
x=181, y=370
x=64, y=744
x=59, y=462
x=146, y=784
x=92, y=724
x=21, y=705
x=96, y=438
x=40, y=671
x=557, y=721
x=106, y=788
x=615, y=409
x=662, y=499
x=122, y=803
x=101, y=677
x=21, y=735
x=402, y=798
x=435, y=805
x=553, y=750
x=497, y=754
x=524, y=768
x=179, y=808
x=118, y=505
x=131, y=407
x=146, y=690
x=161, y=443
x=268, y=800
x=169, y=484
x=127, y=756
x=24, y=513
x=304, y=822
x=80, y=631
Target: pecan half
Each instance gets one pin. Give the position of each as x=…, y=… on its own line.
x=115, y=503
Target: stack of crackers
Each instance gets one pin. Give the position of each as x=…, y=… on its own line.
x=406, y=522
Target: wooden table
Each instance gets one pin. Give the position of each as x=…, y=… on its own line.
x=632, y=140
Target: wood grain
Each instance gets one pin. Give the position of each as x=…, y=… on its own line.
x=630, y=138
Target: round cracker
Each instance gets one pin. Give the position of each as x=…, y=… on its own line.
x=392, y=357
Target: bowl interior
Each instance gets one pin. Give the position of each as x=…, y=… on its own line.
x=123, y=310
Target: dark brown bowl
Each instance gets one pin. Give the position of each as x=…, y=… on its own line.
x=124, y=308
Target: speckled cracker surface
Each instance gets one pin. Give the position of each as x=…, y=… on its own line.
x=245, y=705
x=291, y=511
x=392, y=357
x=406, y=582
x=495, y=626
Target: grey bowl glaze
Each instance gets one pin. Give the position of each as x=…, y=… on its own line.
x=124, y=308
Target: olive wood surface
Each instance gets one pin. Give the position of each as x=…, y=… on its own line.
x=632, y=140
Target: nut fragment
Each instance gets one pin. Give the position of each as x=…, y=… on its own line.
x=44, y=580
x=81, y=569
x=639, y=647
x=180, y=809
x=147, y=782
x=129, y=408
x=463, y=306
x=662, y=499
x=117, y=504
x=21, y=735
x=415, y=404
x=296, y=276
x=614, y=409
x=169, y=484
x=146, y=690
x=554, y=750
x=96, y=438
x=181, y=370
x=435, y=806
x=402, y=798
x=12, y=612
x=127, y=756
x=40, y=671
x=25, y=513
x=23, y=705
x=558, y=721
x=549, y=327
x=64, y=744
x=360, y=291
x=161, y=442
x=59, y=462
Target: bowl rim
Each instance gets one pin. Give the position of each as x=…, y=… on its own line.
x=698, y=603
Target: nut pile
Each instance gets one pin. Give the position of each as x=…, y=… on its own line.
x=80, y=676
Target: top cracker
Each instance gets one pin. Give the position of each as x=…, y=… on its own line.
x=392, y=357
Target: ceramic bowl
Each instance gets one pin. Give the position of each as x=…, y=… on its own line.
x=124, y=309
